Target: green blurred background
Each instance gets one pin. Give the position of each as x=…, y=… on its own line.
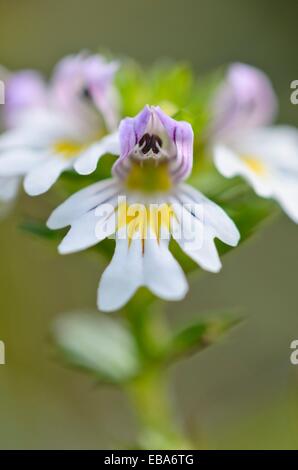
x=242, y=393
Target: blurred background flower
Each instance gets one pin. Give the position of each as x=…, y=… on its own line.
x=52, y=133
x=240, y=393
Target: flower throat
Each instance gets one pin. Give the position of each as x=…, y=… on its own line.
x=149, y=176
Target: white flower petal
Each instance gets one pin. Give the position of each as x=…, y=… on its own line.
x=87, y=162
x=273, y=148
x=81, y=202
x=38, y=129
x=226, y=161
x=49, y=125
x=18, y=162
x=41, y=178
x=188, y=228
x=12, y=139
x=122, y=277
x=276, y=150
x=87, y=231
x=271, y=145
x=286, y=193
x=205, y=254
x=212, y=215
x=229, y=164
x=162, y=273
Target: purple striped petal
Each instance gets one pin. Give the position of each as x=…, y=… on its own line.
x=23, y=90
x=246, y=99
x=130, y=132
x=84, y=77
x=180, y=136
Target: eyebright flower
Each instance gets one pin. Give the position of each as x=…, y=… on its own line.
x=60, y=126
x=18, y=98
x=143, y=205
x=245, y=144
x=24, y=91
x=245, y=100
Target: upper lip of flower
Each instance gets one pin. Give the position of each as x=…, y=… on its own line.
x=154, y=143
x=244, y=100
x=154, y=135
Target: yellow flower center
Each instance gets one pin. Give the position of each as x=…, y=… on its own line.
x=255, y=164
x=68, y=149
x=138, y=218
x=149, y=176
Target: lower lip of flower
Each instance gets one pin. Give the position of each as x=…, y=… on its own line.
x=70, y=148
x=149, y=176
x=138, y=218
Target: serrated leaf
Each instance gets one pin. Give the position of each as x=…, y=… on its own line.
x=199, y=335
x=97, y=344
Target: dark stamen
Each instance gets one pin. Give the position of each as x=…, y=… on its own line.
x=150, y=143
x=146, y=139
x=85, y=93
x=156, y=139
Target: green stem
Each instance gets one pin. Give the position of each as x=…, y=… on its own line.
x=150, y=393
x=152, y=401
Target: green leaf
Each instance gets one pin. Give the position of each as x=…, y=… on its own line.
x=199, y=335
x=39, y=229
x=171, y=86
x=97, y=344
